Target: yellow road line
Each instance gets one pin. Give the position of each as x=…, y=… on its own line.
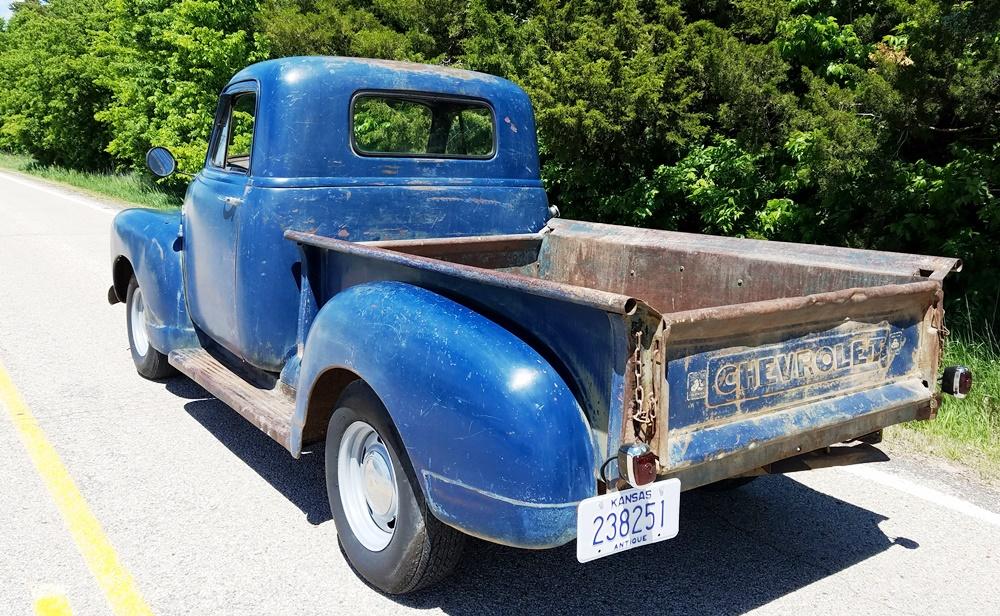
x=52, y=605
x=116, y=582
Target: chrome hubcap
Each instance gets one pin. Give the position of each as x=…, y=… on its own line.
x=367, y=486
x=138, y=321
x=378, y=483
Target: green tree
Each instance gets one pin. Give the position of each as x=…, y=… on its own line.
x=865, y=123
x=48, y=87
x=417, y=30
x=165, y=62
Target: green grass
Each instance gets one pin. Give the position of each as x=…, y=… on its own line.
x=131, y=188
x=966, y=430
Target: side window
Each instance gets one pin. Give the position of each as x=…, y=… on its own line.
x=404, y=125
x=218, y=158
x=234, y=140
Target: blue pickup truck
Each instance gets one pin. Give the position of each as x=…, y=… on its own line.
x=368, y=260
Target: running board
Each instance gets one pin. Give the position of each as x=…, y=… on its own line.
x=271, y=410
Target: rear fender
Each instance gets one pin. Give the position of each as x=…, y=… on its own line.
x=149, y=241
x=498, y=442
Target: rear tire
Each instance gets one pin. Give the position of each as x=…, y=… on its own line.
x=149, y=362
x=385, y=530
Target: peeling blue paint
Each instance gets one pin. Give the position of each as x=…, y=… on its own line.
x=149, y=241
x=468, y=399
x=709, y=384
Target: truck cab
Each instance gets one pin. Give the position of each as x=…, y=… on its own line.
x=367, y=260
x=361, y=150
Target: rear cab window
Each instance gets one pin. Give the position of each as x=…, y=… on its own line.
x=392, y=124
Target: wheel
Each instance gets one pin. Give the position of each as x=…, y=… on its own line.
x=149, y=362
x=383, y=525
x=727, y=484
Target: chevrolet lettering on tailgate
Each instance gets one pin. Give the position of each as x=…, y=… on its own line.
x=773, y=369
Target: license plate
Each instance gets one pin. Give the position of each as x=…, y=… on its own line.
x=619, y=521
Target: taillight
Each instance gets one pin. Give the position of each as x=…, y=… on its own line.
x=637, y=464
x=957, y=381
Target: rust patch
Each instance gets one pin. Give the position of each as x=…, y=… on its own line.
x=428, y=69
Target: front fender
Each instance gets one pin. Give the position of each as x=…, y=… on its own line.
x=497, y=440
x=150, y=241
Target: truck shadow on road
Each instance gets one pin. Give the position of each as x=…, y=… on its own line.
x=736, y=550
x=301, y=481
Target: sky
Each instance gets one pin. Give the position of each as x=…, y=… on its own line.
x=5, y=8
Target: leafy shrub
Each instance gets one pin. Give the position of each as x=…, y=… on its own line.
x=165, y=62
x=820, y=43
x=864, y=123
x=48, y=89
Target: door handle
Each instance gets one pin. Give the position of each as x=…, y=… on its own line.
x=233, y=201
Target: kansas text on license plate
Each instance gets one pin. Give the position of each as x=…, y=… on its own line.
x=619, y=521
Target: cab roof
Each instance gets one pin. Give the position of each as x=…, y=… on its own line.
x=303, y=119
x=311, y=72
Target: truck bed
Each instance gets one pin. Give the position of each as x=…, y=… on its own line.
x=676, y=272
x=746, y=351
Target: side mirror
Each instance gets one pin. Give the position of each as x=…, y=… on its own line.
x=161, y=162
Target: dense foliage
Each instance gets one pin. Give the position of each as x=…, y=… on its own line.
x=854, y=122
x=49, y=90
x=164, y=63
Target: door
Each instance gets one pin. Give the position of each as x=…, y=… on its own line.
x=212, y=218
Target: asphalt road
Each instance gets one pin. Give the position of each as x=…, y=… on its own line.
x=209, y=516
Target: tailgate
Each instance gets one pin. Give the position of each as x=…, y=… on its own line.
x=754, y=383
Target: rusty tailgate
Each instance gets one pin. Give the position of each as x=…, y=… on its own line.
x=753, y=383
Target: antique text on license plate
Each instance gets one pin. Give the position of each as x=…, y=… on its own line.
x=619, y=521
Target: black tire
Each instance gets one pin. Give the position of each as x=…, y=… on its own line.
x=422, y=550
x=727, y=484
x=152, y=365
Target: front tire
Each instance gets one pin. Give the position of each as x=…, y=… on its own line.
x=149, y=362
x=383, y=525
